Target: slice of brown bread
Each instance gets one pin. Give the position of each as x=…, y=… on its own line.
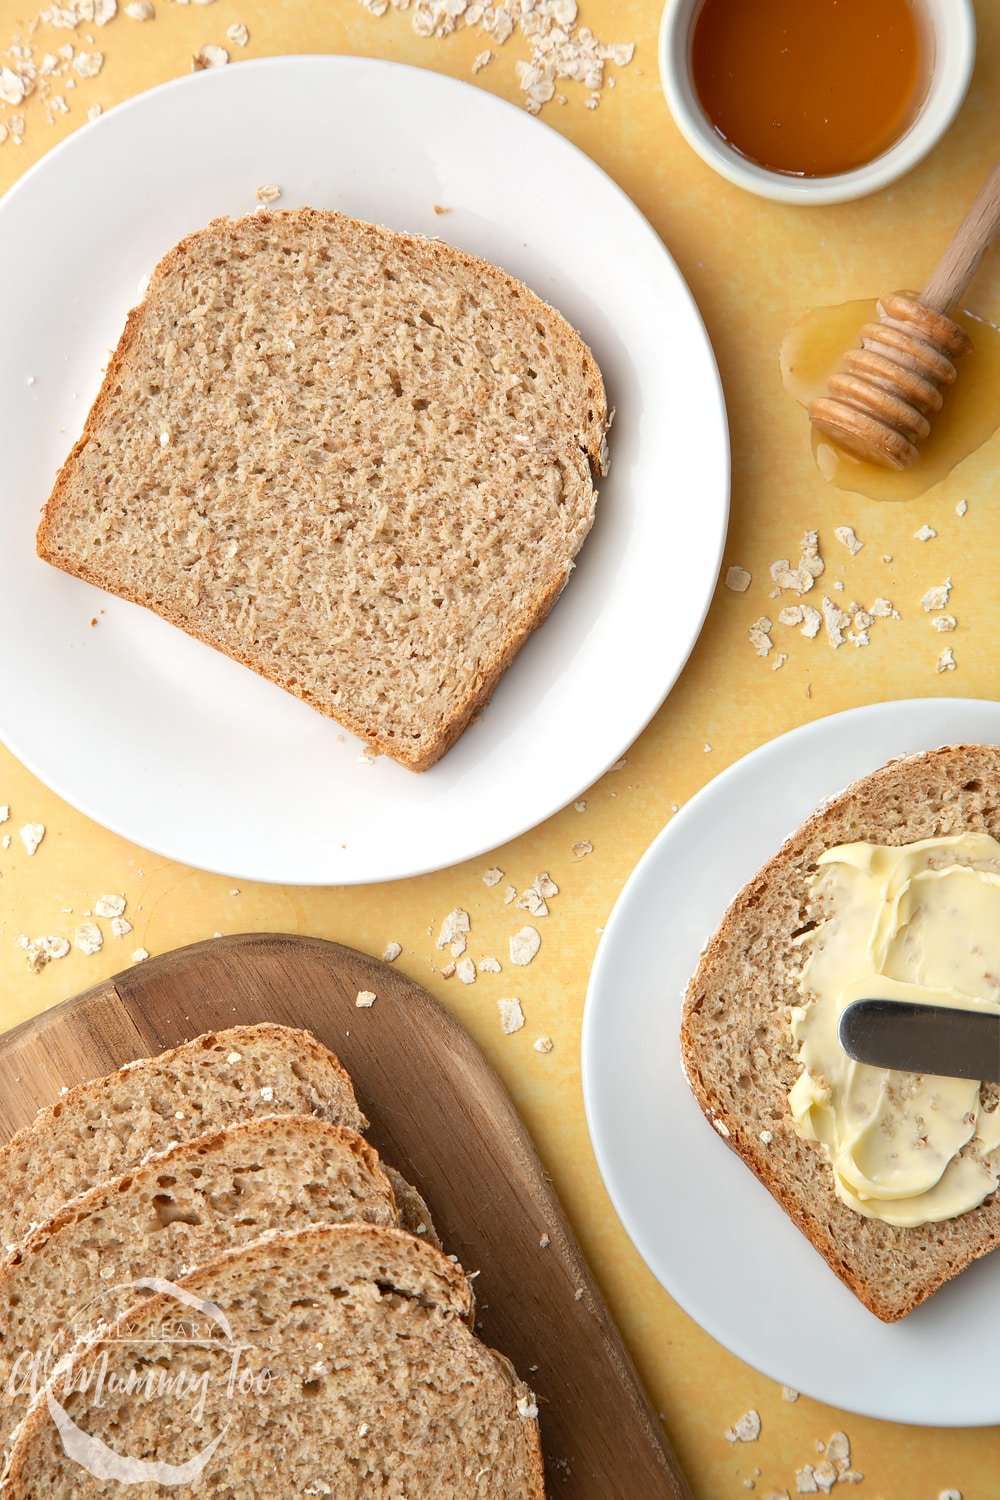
x=377, y=1386
x=737, y=1047
x=180, y=1209
x=108, y=1125
x=359, y=462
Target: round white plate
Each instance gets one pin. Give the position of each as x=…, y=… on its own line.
x=170, y=743
x=705, y=1226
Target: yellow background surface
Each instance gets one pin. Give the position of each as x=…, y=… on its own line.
x=754, y=267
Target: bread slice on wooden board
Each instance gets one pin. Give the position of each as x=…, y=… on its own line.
x=180, y=1209
x=737, y=1046
x=108, y=1125
x=359, y=462
x=377, y=1385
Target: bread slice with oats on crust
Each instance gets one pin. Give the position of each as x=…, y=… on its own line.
x=106, y=1126
x=376, y=1385
x=357, y=461
x=740, y=1058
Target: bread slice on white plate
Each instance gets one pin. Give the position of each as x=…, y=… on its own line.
x=376, y=1386
x=359, y=462
x=737, y=1046
x=181, y=1208
x=106, y=1126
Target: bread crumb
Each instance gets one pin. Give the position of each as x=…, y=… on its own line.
x=140, y=955
x=447, y=971
x=846, y=536
x=234, y=1057
x=238, y=34
x=578, y=1294
x=706, y=748
x=925, y=534
x=268, y=193
x=527, y=1407
x=944, y=622
x=4, y=813
x=582, y=848
x=937, y=598
x=109, y=906
x=960, y=510
x=88, y=938
x=580, y=806
x=758, y=635
x=365, y=1000
x=543, y=1044
x=392, y=952
x=738, y=579
x=493, y=876
x=789, y=1393
x=209, y=56
x=544, y=1242
x=511, y=1016
x=745, y=1429
x=439, y=208
x=950, y=1495
x=722, y=1128
x=31, y=836
x=766, y=1137
x=946, y=661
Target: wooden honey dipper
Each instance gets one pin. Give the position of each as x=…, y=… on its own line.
x=881, y=404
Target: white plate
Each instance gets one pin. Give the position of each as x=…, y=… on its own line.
x=705, y=1226
x=170, y=743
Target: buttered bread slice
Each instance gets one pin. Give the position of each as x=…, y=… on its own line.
x=359, y=462
x=890, y=888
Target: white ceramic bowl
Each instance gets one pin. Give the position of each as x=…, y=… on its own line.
x=953, y=27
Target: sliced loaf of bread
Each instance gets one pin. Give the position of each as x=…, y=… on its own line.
x=182, y=1207
x=359, y=462
x=358, y=1376
x=737, y=1046
x=106, y=1126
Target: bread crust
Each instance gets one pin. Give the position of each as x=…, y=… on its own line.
x=941, y=791
x=419, y=758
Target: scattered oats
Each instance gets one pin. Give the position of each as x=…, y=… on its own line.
x=779, y=661
x=836, y=623
x=447, y=971
x=509, y=894
x=481, y=59
x=805, y=1481
x=578, y=1294
x=140, y=10
x=937, y=598
x=5, y=841
x=367, y=757
x=738, y=579
x=722, y=1128
x=88, y=64
x=459, y=946
x=121, y=926
x=140, y=955
x=825, y=1476
x=466, y=971
x=93, y=112
x=545, y=885
x=789, y=1393
x=31, y=836
x=543, y=1044
x=544, y=1242
x=706, y=748
x=524, y=945
x=582, y=848
x=766, y=1137
x=493, y=876
x=104, y=11
x=532, y=902
x=777, y=1495
x=745, y=1429
x=882, y=610
x=365, y=999
x=209, y=56
x=268, y=193
x=925, y=534
x=511, y=1016
x=455, y=924
x=489, y=965
x=620, y=765
x=961, y=508
x=88, y=938
x=234, y=1057
x=845, y=535
x=164, y=439
x=109, y=906
x=392, y=952
x=580, y=806
x=12, y=86
x=758, y=636
x=946, y=661
x=838, y=1450
x=527, y=1407
x=944, y=623
x=267, y=1094
x=950, y=1495
x=4, y=813
x=238, y=34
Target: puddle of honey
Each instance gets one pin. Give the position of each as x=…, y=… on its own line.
x=815, y=347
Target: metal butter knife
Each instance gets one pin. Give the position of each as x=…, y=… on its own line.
x=914, y=1038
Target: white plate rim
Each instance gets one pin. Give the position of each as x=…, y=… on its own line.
x=459, y=851
x=601, y=985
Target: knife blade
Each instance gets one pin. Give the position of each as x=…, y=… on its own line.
x=914, y=1038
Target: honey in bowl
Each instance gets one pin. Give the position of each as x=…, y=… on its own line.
x=811, y=88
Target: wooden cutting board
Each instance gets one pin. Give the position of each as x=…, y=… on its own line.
x=441, y=1115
